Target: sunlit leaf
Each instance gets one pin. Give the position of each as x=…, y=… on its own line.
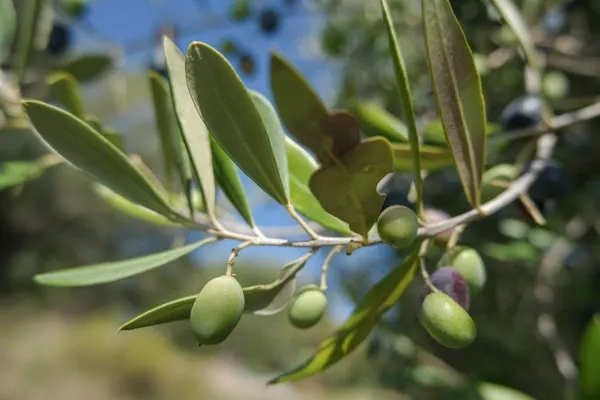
x=175, y=310
x=589, y=380
x=85, y=148
x=131, y=209
x=376, y=121
x=458, y=91
x=352, y=333
x=515, y=21
x=492, y=391
x=174, y=152
x=88, y=67
x=65, y=90
x=195, y=133
x=301, y=167
x=432, y=157
x=347, y=190
x=229, y=181
x=233, y=120
x=113, y=271
x=8, y=25
x=306, y=117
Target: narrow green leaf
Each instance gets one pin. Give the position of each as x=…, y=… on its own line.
x=65, y=90
x=301, y=166
x=275, y=134
x=176, y=310
x=13, y=173
x=174, y=152
x=88, y=67
x=232, y=119
x=306, y=117
x=406, y=101
x=347, y=190
x=376, y=121
x=131, y=209
x=492, y=391
x=8, y=26
x=271, y=298
x=589, y=380
x=26, y=34
x=113, y=271
x=195, y=133
x=351, y=334
x=229, y=180
x=432, y=157
x=515, y=21
x=86, y=149
x=457, y=87
x=267, y=299
x=109, y=134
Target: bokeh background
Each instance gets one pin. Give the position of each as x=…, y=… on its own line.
x=63, y=343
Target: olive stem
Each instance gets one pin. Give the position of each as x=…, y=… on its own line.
x=424, y=273
x=325, y=266
x=455, y=236
x=292, y=211
x=234, y=253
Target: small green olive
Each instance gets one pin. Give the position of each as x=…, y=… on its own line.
x=447, y=322
x=217, y=310
x=308, y=308
x=469, y=263
x=397, y=226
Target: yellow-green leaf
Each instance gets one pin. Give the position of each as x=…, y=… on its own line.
x=351, y=334
x=65, y=90
x=458, y=92
x=301, y=166
x=86, y=149
x=113, y=271
x=589, y=360
x=195, y=134
x=13, y=173
x=432, y=157
x=233, y=120
x=347, y=189
x=377, y=121
x=175, y=310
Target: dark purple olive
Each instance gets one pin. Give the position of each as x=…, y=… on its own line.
x=269, y=21
x=59, y=40
x=451, y=282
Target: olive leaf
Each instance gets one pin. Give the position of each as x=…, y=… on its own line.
x=131, y=209
x=27, y=32
x=266, y=299
x=86, y=149
x=13, y=173
x=347, y=189
x=233, y=120
x=432, y=157
x=174, y=153
x=376, y=121
x=304, y=115
x=8, y=26
x=229, y=181
x=346, y=338
x=114, y=137
x=511, y=14
x=458, y=92
x=113, y=271
x=65, y=90
x=88, y=67
x=301, y=166
x=195, y=135
x=588, y=359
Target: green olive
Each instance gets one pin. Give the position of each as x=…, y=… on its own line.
x=308, y=308
x=447, y=322
x=397, y=226
x=469, y=263
x=217, y=310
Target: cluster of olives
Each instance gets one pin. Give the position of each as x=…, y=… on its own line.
x=444, y=311
x=220, y=304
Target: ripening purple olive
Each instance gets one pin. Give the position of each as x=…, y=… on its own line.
x=451, y=282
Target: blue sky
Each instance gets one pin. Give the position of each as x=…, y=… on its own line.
x=134, y=24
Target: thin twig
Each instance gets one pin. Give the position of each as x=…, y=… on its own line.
x=423, y=267
x=292, y=211
x=455, y=236
x=325, y=266
x=234, y=253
